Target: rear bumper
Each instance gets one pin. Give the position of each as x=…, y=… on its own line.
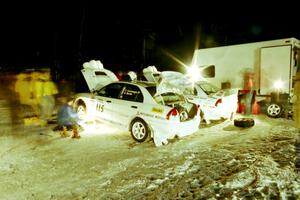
x=164, y=130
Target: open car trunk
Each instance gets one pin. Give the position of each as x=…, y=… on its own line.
x=176, y=82
x=187, y=110
x=170, y=92
x=170, y=89
x=96, y=76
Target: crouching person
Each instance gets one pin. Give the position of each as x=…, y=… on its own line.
x=67, y=119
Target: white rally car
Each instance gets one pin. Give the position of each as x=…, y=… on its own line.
x=137, y=106
x=215, y=103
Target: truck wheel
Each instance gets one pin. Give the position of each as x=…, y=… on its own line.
x=244, y=122
x=274, y=110
x=139, y=130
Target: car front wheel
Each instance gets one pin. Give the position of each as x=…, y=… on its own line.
x=139, y=130
x=81, y=111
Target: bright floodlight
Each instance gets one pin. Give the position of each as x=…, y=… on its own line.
x=278, y=84
x=194, y=73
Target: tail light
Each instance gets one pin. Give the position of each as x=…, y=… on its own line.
x=218, y=101
x=172, y=112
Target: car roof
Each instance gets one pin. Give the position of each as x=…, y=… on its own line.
x=140, y=83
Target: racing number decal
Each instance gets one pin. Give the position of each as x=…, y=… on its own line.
x=100, y=107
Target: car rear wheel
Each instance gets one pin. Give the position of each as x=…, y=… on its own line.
x=244, y=122
x=139, y=130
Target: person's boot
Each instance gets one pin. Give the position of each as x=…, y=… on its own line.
x=75, y=133
x=64, y=132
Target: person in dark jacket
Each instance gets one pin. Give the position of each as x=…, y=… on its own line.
x=67, y=118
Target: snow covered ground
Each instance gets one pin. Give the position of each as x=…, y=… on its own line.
x=220, y=161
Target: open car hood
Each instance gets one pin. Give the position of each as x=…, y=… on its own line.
x=175, y=82
x=168, y=81
x=96, y=76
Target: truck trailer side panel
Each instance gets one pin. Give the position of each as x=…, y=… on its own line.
x=230, y=62
x=268, y=60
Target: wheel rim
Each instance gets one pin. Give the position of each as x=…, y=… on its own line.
x=81, y=111
x=138, y=130
x=274, y=110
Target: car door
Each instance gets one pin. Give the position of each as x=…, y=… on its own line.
x=129, y=103
x=106, y=99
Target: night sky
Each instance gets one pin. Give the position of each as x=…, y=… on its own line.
x=62, y=36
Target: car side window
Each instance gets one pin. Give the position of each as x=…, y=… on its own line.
x=132, y=93
x=112, y=90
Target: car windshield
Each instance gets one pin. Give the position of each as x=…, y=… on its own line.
x=208, y=88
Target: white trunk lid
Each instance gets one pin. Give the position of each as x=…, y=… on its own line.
x=96, y=76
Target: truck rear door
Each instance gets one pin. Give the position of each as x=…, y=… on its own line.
x=275, y=65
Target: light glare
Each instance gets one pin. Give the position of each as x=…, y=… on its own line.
x=194, y=73
x=94, y=128
x=278, y=84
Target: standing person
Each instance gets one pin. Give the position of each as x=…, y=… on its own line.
x=120, y=75
x=249, y=86
x=35, y=92
x=45, y=90
x=22, y=88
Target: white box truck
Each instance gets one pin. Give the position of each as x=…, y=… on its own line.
x=273, y=63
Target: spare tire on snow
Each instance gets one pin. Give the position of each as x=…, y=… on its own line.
x=244, y=122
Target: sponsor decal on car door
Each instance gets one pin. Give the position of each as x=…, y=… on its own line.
x=128, y=104
x=103, y=108
x=106, y=101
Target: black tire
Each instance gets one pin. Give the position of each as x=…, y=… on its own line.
x=274, y=110
x=244, y=122
x=139, y=130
